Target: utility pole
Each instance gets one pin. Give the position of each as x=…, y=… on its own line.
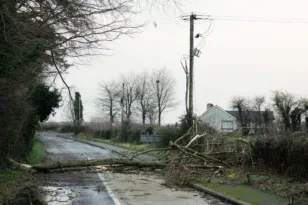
x=158, y=100
x=191, y=18
x=191, y=66
x=122, y=112
x=79, y=110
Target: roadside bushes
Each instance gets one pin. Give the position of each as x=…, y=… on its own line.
x=50, y=126
x=168, y=133
x=285, y=154
x=67, y=128
x=20, y=117
x=105, y=134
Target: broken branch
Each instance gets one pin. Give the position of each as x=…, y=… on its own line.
x=147, y=151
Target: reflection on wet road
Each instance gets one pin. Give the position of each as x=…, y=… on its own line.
x=74, y=188
x=61, y=149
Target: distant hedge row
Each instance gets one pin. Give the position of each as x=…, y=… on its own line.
x=286, y=154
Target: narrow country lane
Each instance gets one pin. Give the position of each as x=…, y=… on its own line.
x=73, y=188
x=61, y=149
x=106, y=188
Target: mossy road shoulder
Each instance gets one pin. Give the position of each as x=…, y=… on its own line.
x=13, y=181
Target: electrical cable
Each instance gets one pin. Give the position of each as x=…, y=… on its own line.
x=207, y=32
x=259, y=19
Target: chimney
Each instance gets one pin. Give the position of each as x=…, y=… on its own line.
x=209, y=106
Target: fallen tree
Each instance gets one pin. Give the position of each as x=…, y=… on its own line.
x=215, y=154
x=95, y=162
x=47, y=167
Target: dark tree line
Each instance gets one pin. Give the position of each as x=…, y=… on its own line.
x=290, y=111
x=36, y=37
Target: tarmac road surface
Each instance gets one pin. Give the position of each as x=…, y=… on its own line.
x=83, y=188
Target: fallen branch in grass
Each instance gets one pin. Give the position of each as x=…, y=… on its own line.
x=182, y=137
x=182, y=149
x=220, y=153
x=20, y=166
x=194, y=139
x=207, y=157
x=151, y=150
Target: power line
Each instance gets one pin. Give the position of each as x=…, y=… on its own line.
x=259, y=19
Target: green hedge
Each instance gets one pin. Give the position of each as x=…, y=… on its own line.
x=287, y=154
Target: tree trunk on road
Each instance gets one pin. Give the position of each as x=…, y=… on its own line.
x=109, y=161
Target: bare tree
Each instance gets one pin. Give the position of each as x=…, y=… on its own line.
x=258, y=103
x=145, y=96
x=110, y=98
x=284, y=103
x=296, y=114
x=163, y=84
x=152, y=114
x=130, y=95
x=242, y=105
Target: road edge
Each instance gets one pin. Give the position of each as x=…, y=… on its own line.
x=110, y=192
x=217, y=195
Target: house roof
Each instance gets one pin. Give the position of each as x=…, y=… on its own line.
x=253, y=115
x=216, y=106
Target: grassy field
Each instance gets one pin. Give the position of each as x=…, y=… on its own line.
x=38, y=153
x=128, y=146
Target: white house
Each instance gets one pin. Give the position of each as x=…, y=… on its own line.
x=228, y=121
x=219, y=119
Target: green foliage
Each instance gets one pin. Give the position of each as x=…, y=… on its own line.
x=40, y=101
x=284, y=102
x=69, y=128
x=104, y=134
x=290, y=109
x=168, y=133
x=10, y=182
x=37, y=154
x=50, y=126
x=286, y=154
x=149, y=129
x=44, y=100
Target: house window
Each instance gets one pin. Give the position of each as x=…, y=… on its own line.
x=226, y=125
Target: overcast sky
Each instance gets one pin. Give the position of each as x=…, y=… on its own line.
x=239, y=57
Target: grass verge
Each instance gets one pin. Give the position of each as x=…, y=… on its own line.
x=11, y=182
x=37, y=154
x=240, y=183
x=125, y=145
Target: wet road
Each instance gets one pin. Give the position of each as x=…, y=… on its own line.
x=75, y=188
x=61, y=149
x=106, y=188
